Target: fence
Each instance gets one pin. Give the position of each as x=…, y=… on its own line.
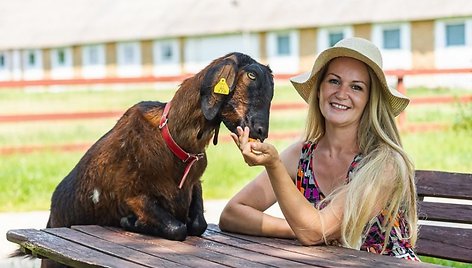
x=399, y=74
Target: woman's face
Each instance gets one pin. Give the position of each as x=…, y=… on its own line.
x=344, y=92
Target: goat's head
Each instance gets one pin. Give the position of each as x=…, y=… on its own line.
x=237, y=90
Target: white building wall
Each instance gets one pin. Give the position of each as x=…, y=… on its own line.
x=32, y=70
x=394, y=58
x=93, y=61
x=281, y=64
x=65, y=69
x=451, y=57
x=166, y=57
x=16, y=67
x=323, y=35
x=129, y=63
x=5, y=69
x=200, y=51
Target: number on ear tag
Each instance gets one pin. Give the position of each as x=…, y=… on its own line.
x=221, y=87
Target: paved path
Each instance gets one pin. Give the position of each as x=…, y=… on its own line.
x=38, y=220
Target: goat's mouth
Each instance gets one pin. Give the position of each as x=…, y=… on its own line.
x=257, y=134
x=258, y=138
x=257, y=131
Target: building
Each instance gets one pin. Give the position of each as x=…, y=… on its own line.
x=86, y=39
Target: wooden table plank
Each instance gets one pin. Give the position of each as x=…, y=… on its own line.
x=174, y=251
x=255, y=259
x=110, y=248
x=328, y=256
x=64, y=251
x=96, y=246
x=252, y=243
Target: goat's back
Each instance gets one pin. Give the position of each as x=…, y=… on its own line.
x=128, y=161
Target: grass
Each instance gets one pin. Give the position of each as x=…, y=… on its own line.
x=21, y=102
x=27, y=180
x=445, y=262
x=446, y=150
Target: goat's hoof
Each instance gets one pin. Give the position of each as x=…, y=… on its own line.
x=197, y=226
x=176, y=232
x=128, y=222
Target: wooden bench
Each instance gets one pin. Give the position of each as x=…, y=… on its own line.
x=445, y=228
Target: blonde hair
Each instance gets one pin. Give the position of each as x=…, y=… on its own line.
x=385, y=165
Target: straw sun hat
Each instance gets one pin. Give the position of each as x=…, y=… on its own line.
x=357, y=48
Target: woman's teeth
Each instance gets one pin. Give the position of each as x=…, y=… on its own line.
x=339, y=106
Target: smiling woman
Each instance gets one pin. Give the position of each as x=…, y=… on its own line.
x=344, y=91
x=349, y=181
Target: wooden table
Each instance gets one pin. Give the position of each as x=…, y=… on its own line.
x=97, y=246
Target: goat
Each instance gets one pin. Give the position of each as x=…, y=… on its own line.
x=132, y=178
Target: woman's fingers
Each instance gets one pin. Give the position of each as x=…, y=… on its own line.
x=241, y=138
x=235, y=138
x=249, y=149
x=254, y=148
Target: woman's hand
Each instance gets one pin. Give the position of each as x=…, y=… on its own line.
x=255, y=153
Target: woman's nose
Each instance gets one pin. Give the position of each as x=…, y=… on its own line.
x=342, y=92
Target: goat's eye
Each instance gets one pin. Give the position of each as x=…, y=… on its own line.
x=251, y=76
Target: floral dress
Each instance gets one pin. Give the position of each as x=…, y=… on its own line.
x=373, y=240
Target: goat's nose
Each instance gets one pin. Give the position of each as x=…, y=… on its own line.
x=261, y=131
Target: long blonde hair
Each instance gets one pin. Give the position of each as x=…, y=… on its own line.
x=384, y=166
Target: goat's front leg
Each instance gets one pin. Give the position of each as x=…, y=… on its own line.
x=196, y=224
x=150, y=218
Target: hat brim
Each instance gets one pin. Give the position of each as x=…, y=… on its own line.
x=305, y=82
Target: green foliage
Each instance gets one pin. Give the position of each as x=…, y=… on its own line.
x=448, y=150
x=28, y=180
x=464, y=118
x=445, y=262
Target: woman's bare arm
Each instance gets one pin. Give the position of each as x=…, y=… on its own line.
x=309, y=225
x=244, y=213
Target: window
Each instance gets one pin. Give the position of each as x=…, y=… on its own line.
x=455, y=34
x=128, y=55
x=167, y=54
x=329, y=36
x=391, y=38
x=93, y=55
x=283, y=45
x=335, y=37
x=61, y=57
x=31, y=58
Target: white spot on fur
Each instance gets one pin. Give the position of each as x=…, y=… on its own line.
x=95, y=195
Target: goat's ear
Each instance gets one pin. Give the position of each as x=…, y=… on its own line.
x=217, y=84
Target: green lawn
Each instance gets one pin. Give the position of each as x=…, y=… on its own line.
x=27, y=180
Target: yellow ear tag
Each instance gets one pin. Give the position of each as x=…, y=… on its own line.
x=221, y=87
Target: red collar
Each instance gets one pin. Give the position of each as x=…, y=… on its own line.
x=175, y=148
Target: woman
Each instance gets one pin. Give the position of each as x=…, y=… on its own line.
x=349, y=182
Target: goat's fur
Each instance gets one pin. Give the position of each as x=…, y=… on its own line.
x=130, y=178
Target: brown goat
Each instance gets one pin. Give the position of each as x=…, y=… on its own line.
x=130, y=177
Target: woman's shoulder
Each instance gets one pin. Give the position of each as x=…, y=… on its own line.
x=296, y=148
x=290, y=157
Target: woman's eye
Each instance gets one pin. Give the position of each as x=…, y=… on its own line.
x=356, y=87
x=333, y=81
